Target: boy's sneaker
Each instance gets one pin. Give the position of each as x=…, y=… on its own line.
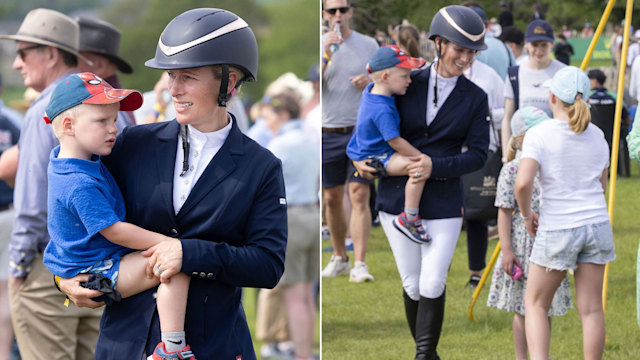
x=360, y=273
x=412, y=229
x=336, y=267
x=160, y=353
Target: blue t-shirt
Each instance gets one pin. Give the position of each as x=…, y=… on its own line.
x=83, y=199
x=378, y=122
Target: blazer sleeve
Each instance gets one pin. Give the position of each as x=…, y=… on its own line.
x=259, y=261
x=477, y=141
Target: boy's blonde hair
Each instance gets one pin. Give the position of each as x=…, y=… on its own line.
x=377, y=75
x=56, y=123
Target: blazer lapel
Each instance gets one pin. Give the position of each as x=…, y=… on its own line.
x=165, y=161
x=218, y=169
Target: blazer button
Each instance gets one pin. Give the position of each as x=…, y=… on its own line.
x=202, y=274
x=210, y=276
x=173, y=232
x=195, y=273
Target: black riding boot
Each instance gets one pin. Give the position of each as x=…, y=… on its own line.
x=411, y=310
x=428, y=327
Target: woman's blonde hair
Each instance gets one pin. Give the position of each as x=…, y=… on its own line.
x=579, y=114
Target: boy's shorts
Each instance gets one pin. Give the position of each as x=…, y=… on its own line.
x=107, y=268
x=564, y=249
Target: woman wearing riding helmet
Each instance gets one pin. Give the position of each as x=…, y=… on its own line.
x=229, y=214
x=440, y=112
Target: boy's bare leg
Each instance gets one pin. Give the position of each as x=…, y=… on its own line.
x=132, y=278
x=172, y=303
x=397, y=166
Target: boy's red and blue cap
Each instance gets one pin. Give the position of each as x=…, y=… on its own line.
x=392, y=56
x=88, y=88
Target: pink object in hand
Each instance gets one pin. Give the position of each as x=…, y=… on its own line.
x=516, y=273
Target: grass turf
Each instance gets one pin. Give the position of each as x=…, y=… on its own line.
x=366, y=321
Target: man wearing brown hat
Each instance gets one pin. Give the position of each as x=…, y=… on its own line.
x=47, y=51
x=100, y=44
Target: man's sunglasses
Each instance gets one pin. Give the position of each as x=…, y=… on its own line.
x=342, y=10
x=23, y=52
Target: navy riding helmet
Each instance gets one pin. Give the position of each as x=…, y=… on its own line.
x=208, y=36
x=460, y=25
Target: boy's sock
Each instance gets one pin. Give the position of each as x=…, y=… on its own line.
x=412, y=214
x=173, y=341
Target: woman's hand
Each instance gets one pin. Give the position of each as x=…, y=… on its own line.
x=365, y=170
x=420, y=168
x=165, y=260
x=531, y=223
x=80, y=296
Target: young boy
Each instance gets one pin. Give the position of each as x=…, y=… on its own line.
x=377, y=134
x=86, y=210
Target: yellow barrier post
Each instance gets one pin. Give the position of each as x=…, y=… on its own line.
x=615, y=143
x=484, y=277
x=596, y=35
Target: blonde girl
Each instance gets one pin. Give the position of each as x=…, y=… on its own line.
x=507, y=293
x=572, y=229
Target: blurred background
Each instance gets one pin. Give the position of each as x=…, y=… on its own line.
x=287, y=33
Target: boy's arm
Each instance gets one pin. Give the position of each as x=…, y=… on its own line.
x=132, y=236
x=403, y=147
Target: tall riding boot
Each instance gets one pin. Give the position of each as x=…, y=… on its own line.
x=411, y=311
x=428, y=327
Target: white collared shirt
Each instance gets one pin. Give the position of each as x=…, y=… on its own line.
x=203, y=147
x=445, y=87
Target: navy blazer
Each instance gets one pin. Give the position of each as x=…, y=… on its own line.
x=233, y=229
x=463, y=119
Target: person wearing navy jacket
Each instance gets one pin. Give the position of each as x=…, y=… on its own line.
x=441, y=112
x=199, y=179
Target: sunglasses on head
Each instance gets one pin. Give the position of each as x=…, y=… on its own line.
x=342, y=10
x=23, y=52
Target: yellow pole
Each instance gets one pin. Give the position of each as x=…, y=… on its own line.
x=484, y=277
x=616, y=133
x=596, y=35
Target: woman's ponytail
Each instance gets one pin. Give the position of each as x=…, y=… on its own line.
x=579, y=115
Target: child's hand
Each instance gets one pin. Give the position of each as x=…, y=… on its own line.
x=508, y=259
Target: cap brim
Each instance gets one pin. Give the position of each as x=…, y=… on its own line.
x=122, y=65
x=535, y=38
x=412, y=63
x=129, y=99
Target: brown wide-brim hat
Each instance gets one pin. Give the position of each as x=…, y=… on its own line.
x=51, y=28
x=102, y=38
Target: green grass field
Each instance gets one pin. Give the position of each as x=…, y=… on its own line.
x=366, y=321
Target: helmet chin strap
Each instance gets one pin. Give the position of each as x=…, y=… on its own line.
x=223, y=96
x=435, y=86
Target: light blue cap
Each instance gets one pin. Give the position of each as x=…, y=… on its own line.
x=526, y=118
x=567, y=83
